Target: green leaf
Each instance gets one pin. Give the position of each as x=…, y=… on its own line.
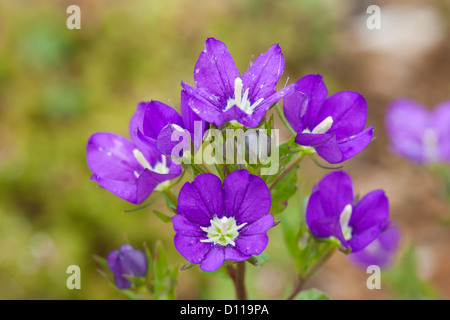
x=130, y=294
x=285, y=156
x=102, y=262
x=311, y=294
x=293, y=225
x=169, y=202
x=107, y=276
x=165, y=279
x=162, y=216
x=143, y=206
x=283, y=191
x=259, y=260
x=160, y=265
x=173, y=282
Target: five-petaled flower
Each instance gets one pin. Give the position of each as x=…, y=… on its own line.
x=418, y=134
x=218, y=223
x=223, y=95
x=380, y=252
x=333, y=126
x=133, y=169
x=127, y=262
x=333, y=213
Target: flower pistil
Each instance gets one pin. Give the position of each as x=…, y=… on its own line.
x=344, y=220
x=242, y=102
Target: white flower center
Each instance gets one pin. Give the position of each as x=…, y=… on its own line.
x=374, y=247
x=430, y=143
x=160, y=167
x=344, y=219
x=222, y=231
x=322, y=127
x=242, y=101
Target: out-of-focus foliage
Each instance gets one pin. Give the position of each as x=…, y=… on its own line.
x=405, y=280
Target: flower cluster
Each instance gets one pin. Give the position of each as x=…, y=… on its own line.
x=223, y=215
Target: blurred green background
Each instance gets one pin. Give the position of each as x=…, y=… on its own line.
x=58, y=86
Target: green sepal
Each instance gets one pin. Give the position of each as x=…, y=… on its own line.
x=187, y=266
x=259, y=260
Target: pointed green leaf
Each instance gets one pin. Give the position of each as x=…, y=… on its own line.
x=162, y=216
x=102, y=262
x=283, y=191
x=311, y=294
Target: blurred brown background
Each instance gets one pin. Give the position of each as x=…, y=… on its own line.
x=58, y=86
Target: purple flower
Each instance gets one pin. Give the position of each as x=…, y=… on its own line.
x=332, y=212
x=129, y=169
x=161, y=121
x=127, y=262
x=380, y=252
x=222, y=94
x=418, y=134
x=216, y=224
x=333, y=126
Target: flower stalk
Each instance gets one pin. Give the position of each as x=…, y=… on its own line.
x=237, y=275
x=291, y=166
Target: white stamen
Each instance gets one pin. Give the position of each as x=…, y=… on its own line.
x=344, y=220
x=322, y=127
x=430, y=142
x=141, y=159
x=242, y=102
x=238, y=90
x=160, y=167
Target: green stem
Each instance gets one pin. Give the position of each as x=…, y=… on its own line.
x=320, y=262
x=288, y=169
x=241, y=291
x=298, y=287
x=284, y=120
x=238, y=277
x=302, y=279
